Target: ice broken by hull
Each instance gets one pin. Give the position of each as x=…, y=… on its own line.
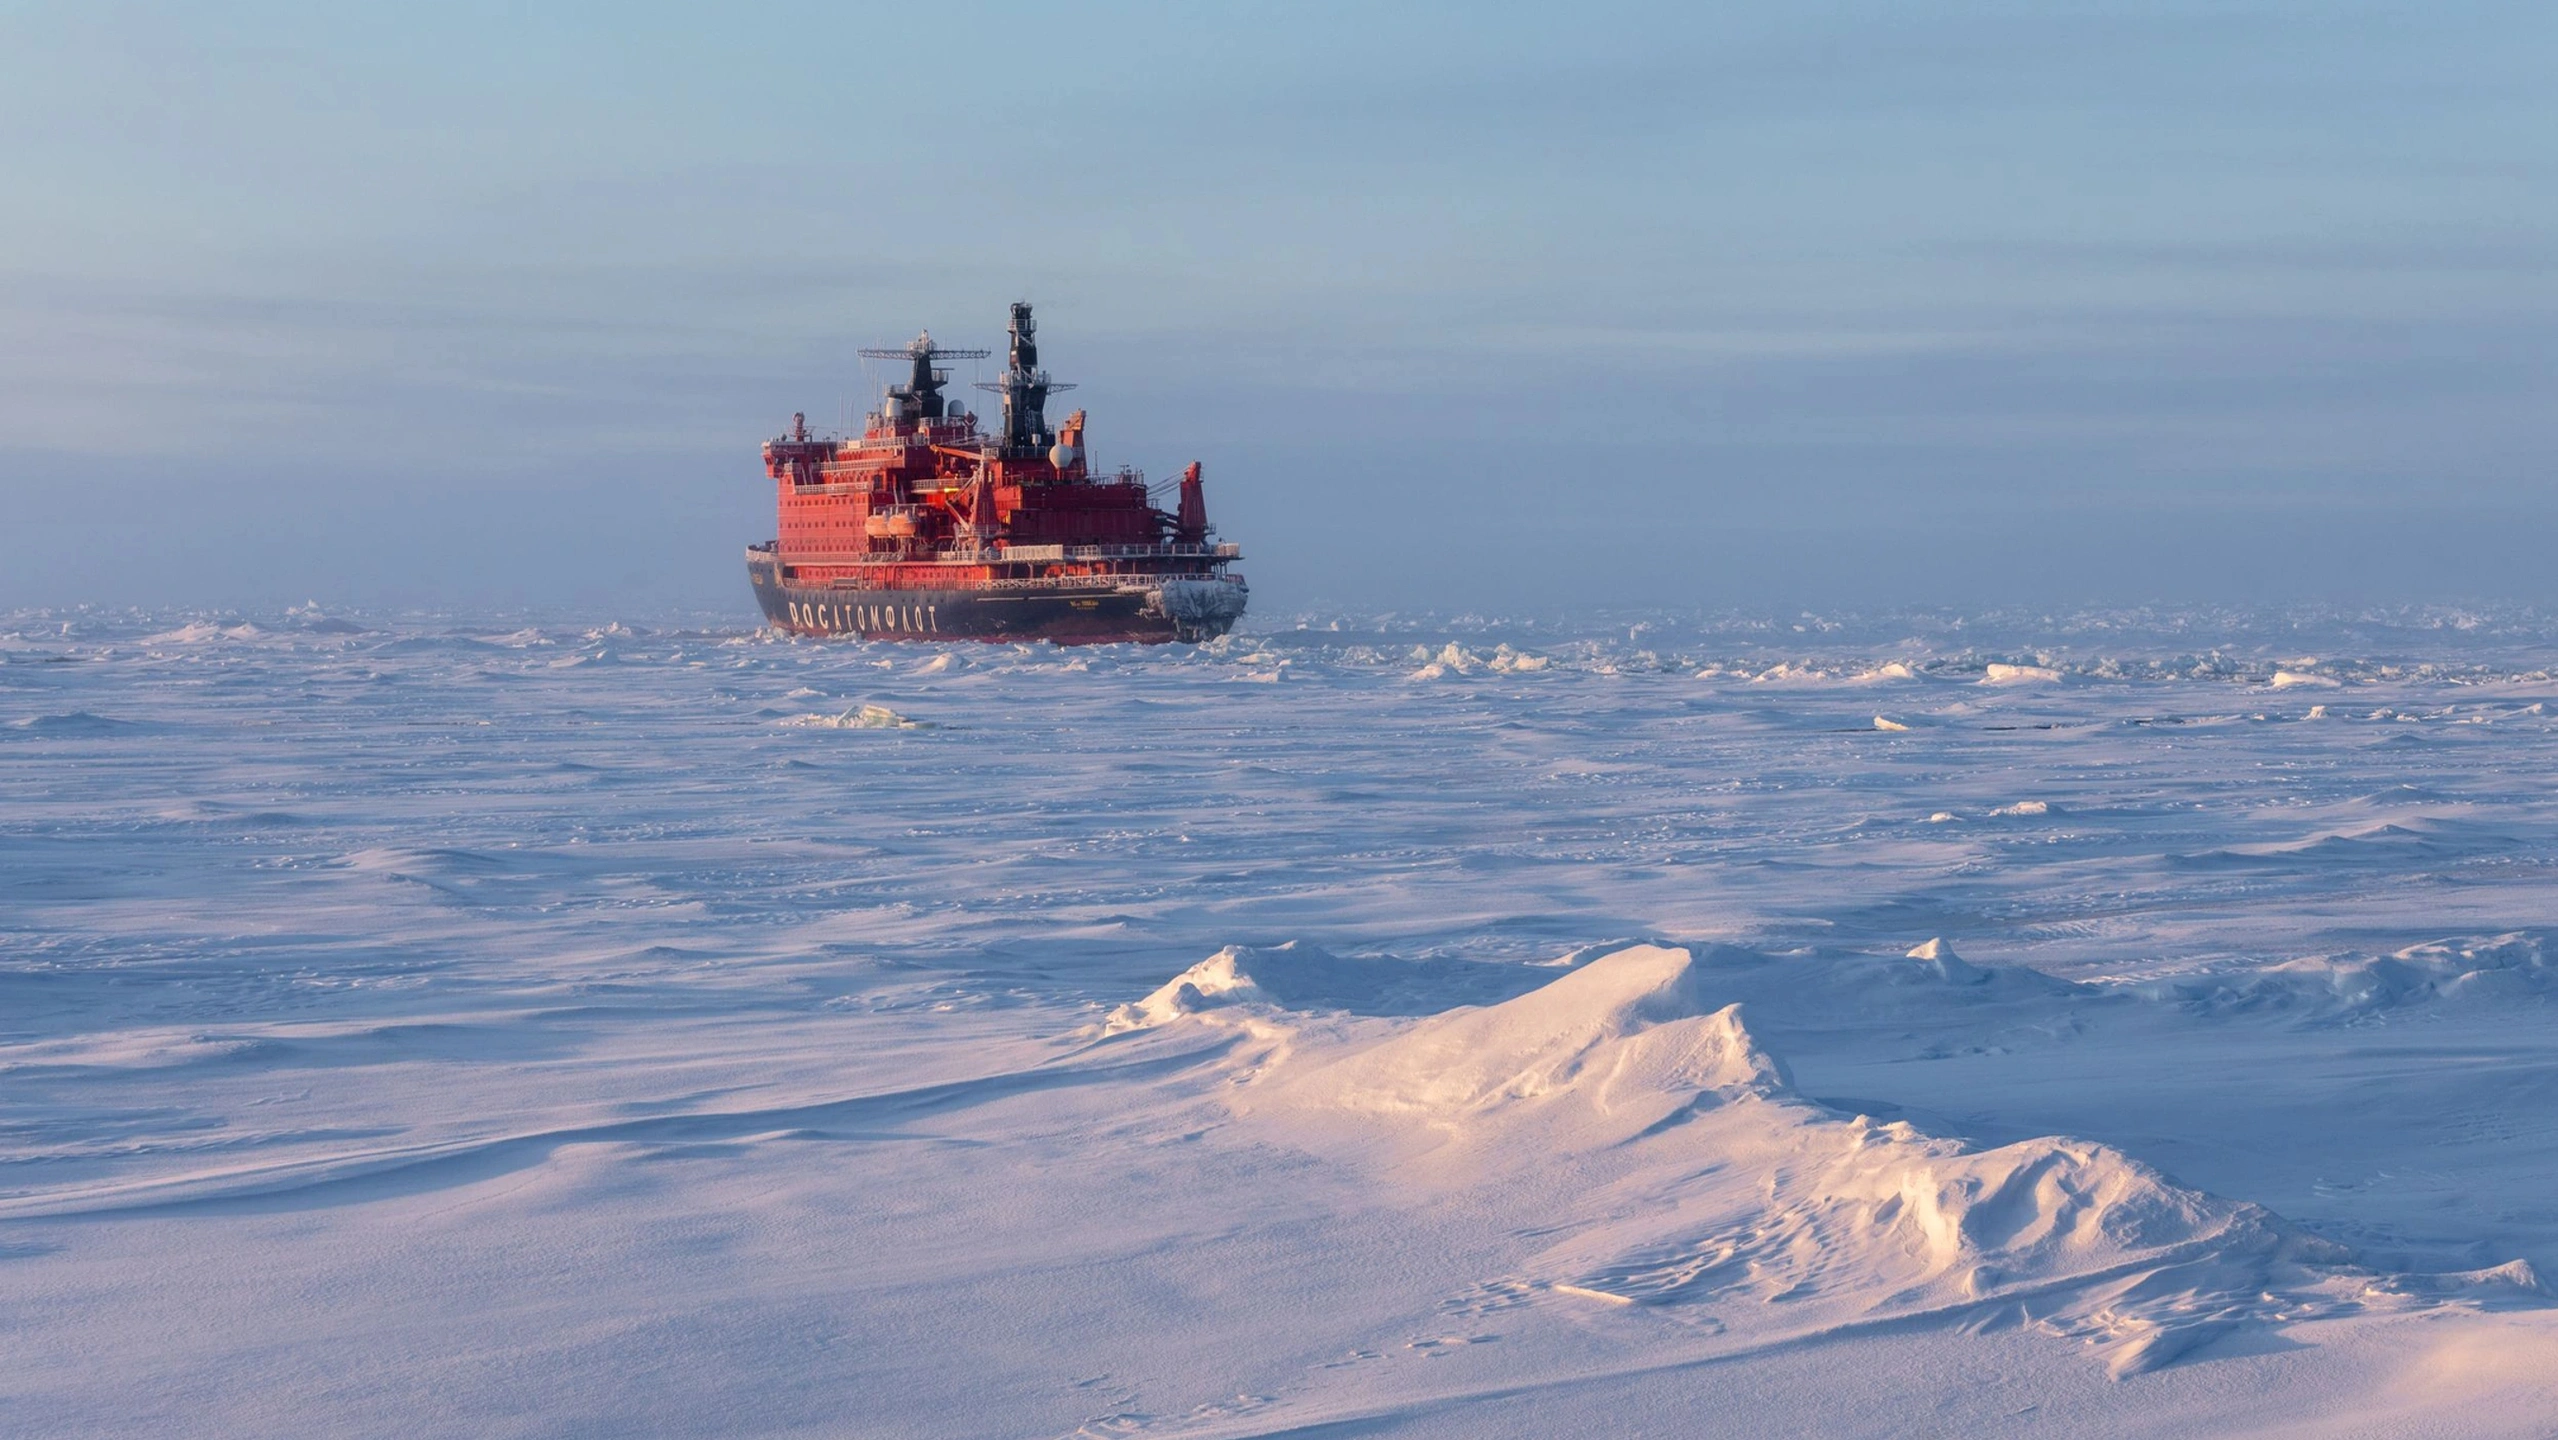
x=1087, y=614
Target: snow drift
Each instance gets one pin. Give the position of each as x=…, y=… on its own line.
x=1696, y=1178
x=2502, y=969
x=1300, y=977
x=859, y=717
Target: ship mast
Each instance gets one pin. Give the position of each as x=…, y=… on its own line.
x=920, y=397
x=1025, y=388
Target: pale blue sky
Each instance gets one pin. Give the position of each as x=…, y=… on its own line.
x=1492, y=307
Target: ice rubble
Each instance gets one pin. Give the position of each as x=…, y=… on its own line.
x=2494, y=970
x=860, y=717
x=204, y=631
x=1455, y=659
x=1693, y=1176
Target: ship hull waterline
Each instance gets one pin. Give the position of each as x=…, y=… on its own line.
x=1014, y=616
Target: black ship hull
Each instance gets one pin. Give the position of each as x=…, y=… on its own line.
x=1127, y=610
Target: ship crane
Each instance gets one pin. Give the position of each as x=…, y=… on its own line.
x=920, y=397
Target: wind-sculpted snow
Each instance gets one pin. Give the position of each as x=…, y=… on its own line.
x=2490, y=970
x=860, y=717
x=1703, y=1178
x=1300, y=976
x=2100, y=1023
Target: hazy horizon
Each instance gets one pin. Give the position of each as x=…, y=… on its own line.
x=1460, y=308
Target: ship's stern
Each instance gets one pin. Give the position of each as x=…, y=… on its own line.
x=1202, y=609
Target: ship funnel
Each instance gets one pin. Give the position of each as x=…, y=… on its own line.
x=1190, y=523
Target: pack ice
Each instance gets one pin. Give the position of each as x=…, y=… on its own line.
x=2119, y=1023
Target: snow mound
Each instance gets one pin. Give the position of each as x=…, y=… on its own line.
x=1940, y=958
x=1300, y=977
x=2492, y=970
x=1675, y=1165
x=1219, y=980
x=860, y=717
x=1851, y=1223
x=75, y=722
x=1455, y=659
x=1998, y=674
x=1632, y=1036
x=2414, y=839
x=203, y=632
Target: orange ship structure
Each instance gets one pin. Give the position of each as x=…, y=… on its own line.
x=928, y=528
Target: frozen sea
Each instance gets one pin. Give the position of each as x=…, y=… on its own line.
x=2105, y=1023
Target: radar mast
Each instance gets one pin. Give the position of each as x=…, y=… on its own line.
x=1025, y=388
x=920, y=397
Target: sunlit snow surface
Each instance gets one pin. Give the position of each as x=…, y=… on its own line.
x=426, y=1027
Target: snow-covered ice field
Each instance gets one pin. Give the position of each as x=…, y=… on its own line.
x=2107, y=1024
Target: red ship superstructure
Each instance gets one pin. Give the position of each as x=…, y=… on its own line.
x=928, y=527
